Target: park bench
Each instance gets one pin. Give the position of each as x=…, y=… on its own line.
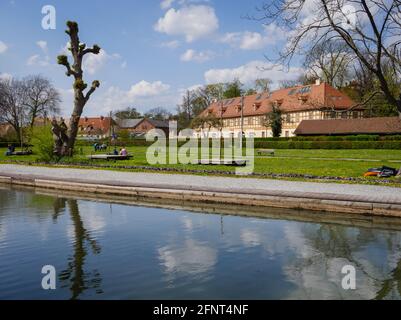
x=261, y=152
x=109, y=157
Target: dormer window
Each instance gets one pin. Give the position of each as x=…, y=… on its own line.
x=278, y=102
x=238, y=108
x=303, y=98
x=256, y=106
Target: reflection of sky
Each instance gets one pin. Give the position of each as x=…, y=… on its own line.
x=159, y=253
x=190, y=257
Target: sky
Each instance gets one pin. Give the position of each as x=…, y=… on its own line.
x=152, y=51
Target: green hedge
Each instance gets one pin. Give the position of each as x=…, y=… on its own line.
x=329, y=144
x=336, y=138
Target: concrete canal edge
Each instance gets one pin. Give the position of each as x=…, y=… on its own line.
x=289, y=200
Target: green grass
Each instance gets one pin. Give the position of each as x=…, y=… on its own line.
x=310, y=162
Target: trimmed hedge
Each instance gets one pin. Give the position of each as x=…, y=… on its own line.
x=336, y=138
x=329, y=144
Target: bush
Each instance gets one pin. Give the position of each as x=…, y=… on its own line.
x=395, y=145
x=43, y=144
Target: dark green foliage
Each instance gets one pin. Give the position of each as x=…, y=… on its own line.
x=274, y=120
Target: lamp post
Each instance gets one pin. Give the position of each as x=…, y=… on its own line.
x=242, y=120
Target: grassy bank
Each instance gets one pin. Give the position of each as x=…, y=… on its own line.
x=333, y=163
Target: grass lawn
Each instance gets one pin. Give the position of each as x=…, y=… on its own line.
x=336, y=163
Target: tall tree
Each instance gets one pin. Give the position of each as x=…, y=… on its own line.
x=274, y=120
x=330, y=61
x=370, y=29
x=40, y=98
x=185, y=111
x=263, y=85
x=12, y=110
x=128, y=113
x=158, y=114
x=81, y=96
x=233, y=89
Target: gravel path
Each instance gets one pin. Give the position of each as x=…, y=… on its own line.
x=203, y=181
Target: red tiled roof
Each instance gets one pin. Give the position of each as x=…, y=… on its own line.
x=299, y=98
x=95, y=125
x=385, y=125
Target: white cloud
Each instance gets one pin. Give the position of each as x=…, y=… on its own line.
x=141, y=94
x=147, y=89
x=124, y=65
x=192, y=55
x=171, y=44
x=193, y=22
x=254, y=40
x=5, y=76
x=3, y=47
x=251, y=71
x=43, y=45
x=166, y=4
x=94, y=62
x=38, y=61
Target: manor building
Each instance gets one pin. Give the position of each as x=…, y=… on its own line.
x=318, y=101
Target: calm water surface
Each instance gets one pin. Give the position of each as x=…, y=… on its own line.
x=114, y=251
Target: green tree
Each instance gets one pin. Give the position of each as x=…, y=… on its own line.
x=158, y=114
x=128, y=113
x=274, y=120
x=233, y=89
x=42, y=141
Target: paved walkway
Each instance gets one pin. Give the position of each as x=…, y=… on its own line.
x=386, y=194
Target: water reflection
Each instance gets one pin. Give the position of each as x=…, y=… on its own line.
x=143, y=250
x=74, y=276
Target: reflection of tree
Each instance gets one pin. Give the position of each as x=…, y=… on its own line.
x=337, y=242
x=75, y=276
x=388, y=284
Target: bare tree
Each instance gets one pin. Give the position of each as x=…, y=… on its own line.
x=370, y=29
x=329, y=61
x=263, y=85
x=78, y=51
x=12, y=110
x=41, y=99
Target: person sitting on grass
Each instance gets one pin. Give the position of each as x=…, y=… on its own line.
x=115, y=152
x=10, y=150
x=124, y=152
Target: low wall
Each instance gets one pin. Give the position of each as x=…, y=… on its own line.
x=279, y=199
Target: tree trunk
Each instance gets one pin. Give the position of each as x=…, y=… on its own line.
x=79, y=104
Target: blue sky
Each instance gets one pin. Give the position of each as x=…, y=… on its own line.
x=152, y=50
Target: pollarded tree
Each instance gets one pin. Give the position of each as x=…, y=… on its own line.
x=81, y=94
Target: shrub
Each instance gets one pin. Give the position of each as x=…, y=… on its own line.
x=42, y=141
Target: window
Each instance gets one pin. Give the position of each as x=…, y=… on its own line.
x=304, y=90
x=355, y=114
x=292, y=92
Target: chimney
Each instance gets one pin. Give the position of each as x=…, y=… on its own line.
x=101, y=118
x=86, y=119
x=318, y=82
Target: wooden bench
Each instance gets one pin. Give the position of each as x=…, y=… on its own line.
x=109, y=157
x=261, y=152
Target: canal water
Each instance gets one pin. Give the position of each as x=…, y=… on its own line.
x=117, y=249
